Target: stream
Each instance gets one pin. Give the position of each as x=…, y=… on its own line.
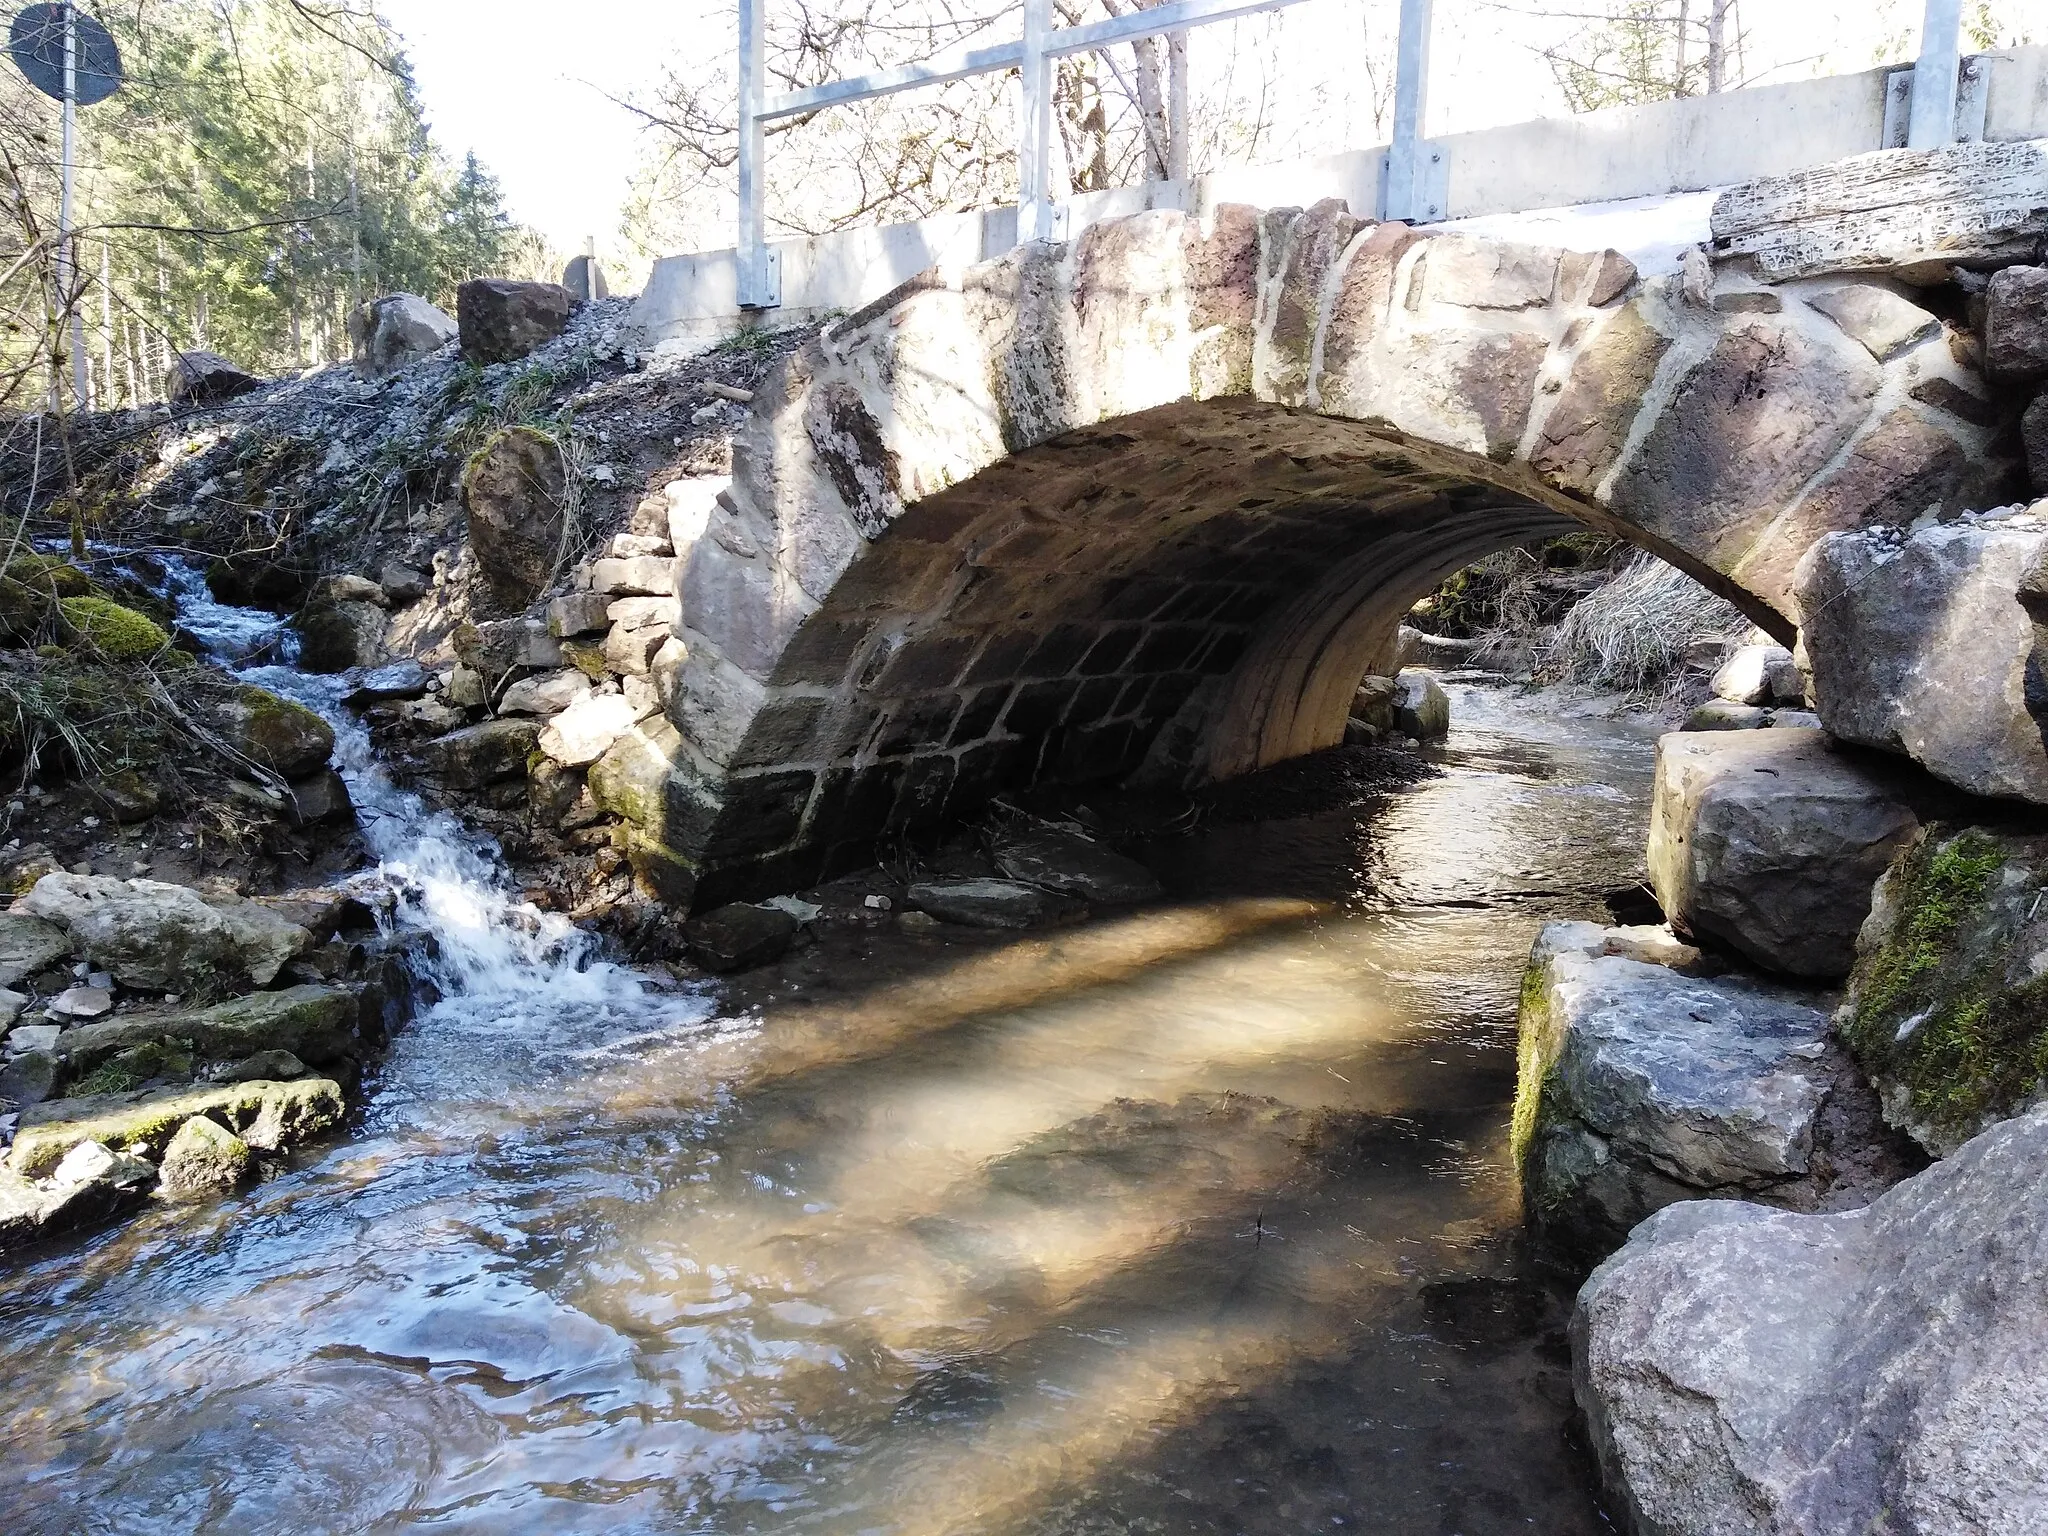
x=1195, y=1218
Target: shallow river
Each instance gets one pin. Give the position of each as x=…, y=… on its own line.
x=1192, y=1219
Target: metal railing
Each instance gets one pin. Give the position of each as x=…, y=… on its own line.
x=1931, y=103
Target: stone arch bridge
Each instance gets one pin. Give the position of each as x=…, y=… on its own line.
x=1154, y=500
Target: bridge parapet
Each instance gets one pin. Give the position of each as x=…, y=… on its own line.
x=1151, y=502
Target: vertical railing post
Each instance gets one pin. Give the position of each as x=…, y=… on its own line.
x=1034, y=127
x=758, y=289
x=1405, y=169
x=1936, y=76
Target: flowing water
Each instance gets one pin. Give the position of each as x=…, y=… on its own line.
x=1197, y=1218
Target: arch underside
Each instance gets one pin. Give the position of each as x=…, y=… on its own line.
x=1185, y=594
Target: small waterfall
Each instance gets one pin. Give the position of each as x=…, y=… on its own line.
x=512, y=981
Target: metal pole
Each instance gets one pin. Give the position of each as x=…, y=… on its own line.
x=1177, y=107
x=67, y=253
x=1034, y=127
x=1936, y=76
x=755, y=288
x=1411, y=100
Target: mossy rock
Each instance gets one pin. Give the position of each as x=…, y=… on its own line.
x=31, y=587
x=113, y=631
x=1948, y=1006
x=587, y=659
x=284, y=737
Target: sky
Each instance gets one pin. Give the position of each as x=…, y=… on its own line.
x=525, y=85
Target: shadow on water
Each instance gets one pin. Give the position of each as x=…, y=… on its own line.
x=1197, y=1219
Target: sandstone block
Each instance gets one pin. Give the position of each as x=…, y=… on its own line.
x=1759, y=674
x=544, y=693
x=1584, y=433
x=585, y=730
x=647, y=574
x=1770, y=843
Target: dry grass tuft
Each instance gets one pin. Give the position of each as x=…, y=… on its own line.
x=1632, y=634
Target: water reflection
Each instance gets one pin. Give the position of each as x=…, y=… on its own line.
x=1192, y=1220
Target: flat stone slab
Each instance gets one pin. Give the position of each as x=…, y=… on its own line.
x=314, y=1022
x=266, y=1115
x=1074, y=865
x=991, y=903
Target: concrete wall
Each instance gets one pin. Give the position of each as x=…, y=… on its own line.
x=1628, y=152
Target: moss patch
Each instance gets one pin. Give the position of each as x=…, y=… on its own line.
x=1944, y=1012
x=115, y=632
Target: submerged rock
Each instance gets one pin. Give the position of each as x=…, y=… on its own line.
x=1641, y=1086
x=1074, y=865
x=1948, y=1006
x=991, y=903
x=1744, y=1369
x=739, y=937
x=159, y=937
x=1769, y=842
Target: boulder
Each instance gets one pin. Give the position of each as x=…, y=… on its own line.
x=501, y=321
x=479, y=754
x=28, y=945
x=1769, y=842
x=283, y=736
x=398, y=329
x=1074, y=865
x=1921, y=643
x=1759, y=674
x=1641, y=1085
x=200, y=378
x=739, y=937
x=497, y=646
x=1748, y=1370
x=319, y=797
x=1372, y=705
x=584, y=278
x=1421, y=707
x=1945, y=1010
x=2016, y=324
x=28, y=1078
x=545, y=693
x=587, y=729
x=383, y=685
x=403, y=584
x=203, y=1159
x=157, y=937
x=268, y=1116
x=512, y=491
x=991, y=903
x=340, y=636
x=311, y=1021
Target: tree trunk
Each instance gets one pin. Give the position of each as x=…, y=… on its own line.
x=1717, y=46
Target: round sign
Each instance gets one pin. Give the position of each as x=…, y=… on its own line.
x=37, y=43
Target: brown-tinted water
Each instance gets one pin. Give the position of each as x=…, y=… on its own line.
x=1192, y=1219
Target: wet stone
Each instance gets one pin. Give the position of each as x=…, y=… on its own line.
x=1073, y=865
x=400, y=680
x=739, y=937
x=992, y=903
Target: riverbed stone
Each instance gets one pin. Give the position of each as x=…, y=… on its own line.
x=280, y=734
x=980, y=903
x=1759, y=674
x=267, y=1115
x=399, y=680
x=153, y=936
x=480, y=754
x=513, y=490
x=1422, y=710
x=338, y=637
x=313, y=1021
x=578, y=613
x=1073, y=865
x=1922, y=643
x=739, y=936
x=1744, y=1369
x=1769, y=842
x=203, y=1159
x=1641, y=1085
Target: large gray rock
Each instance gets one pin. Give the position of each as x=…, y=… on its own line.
x=398, y=329
x=587, y=728
x=1920, y=644
x=1746, y=1370
x=479, y=754
x=1759, y=674
x=200, y=378
x=1641, y=1085
x=502, y=320
x=2016, y=323
x=1421, y=707
x=312, y=1022
x=29, y=944
x=1769, y=842
x=990, y=903
x=90, y=1184
x=513, y=491
x=1945, y=1010
x=282, y=735
x=165, y=938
